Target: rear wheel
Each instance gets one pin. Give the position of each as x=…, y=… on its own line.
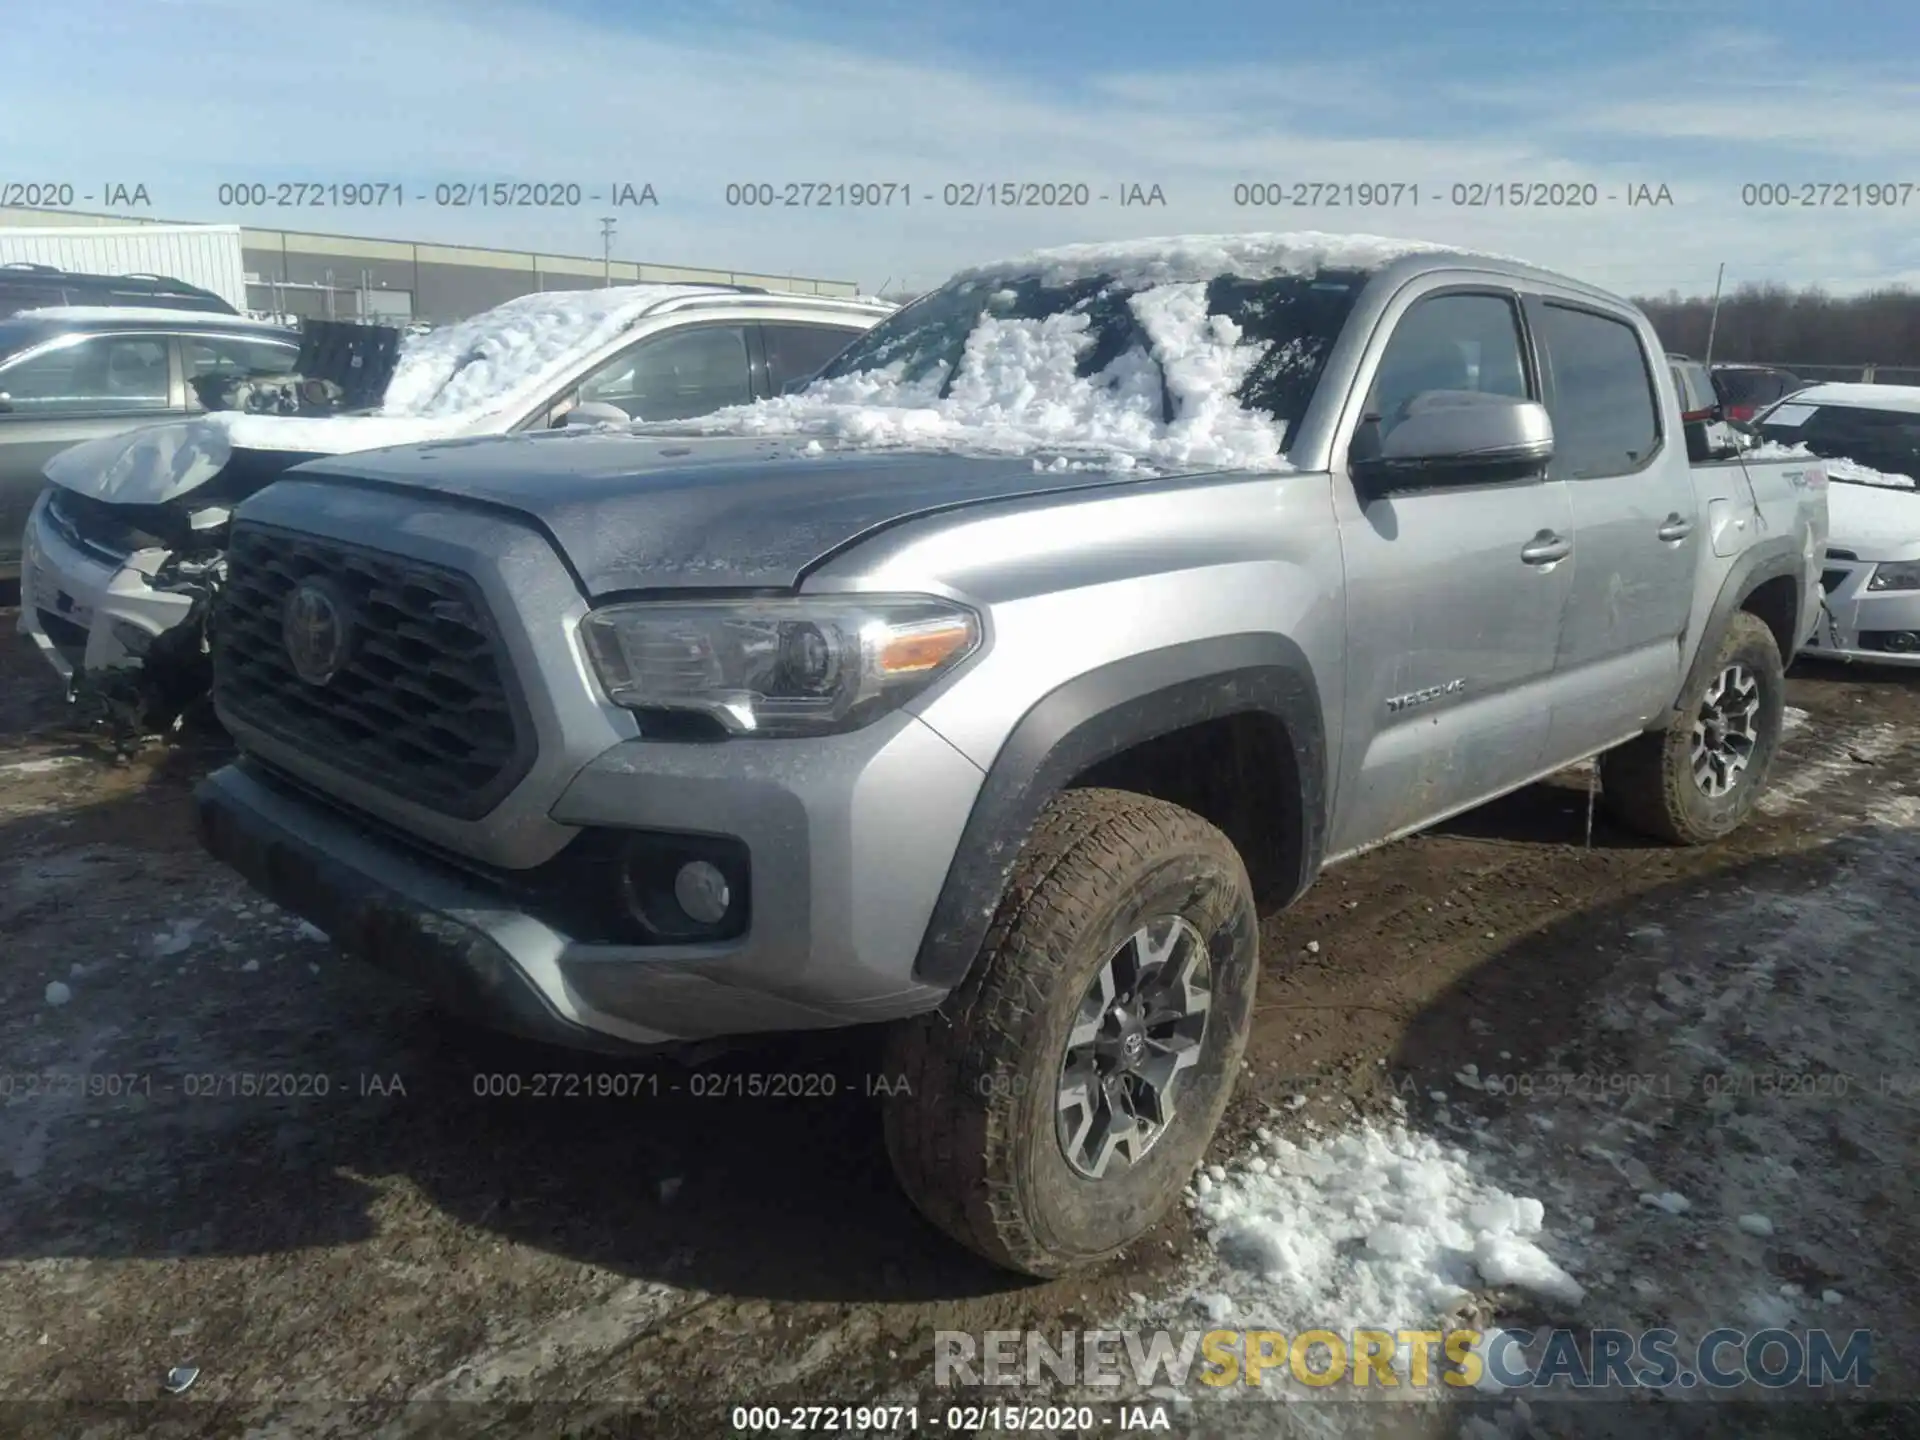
x=1060, y=1099
x=1697, y=780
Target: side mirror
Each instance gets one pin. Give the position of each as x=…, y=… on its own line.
x=1460, y=437
x=596, y=412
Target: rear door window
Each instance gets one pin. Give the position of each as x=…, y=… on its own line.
x=1606, y=420
x=93, y=375
x=226, y=355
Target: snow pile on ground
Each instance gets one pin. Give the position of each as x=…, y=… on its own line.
x=1016, y=390
x=1381, y=1225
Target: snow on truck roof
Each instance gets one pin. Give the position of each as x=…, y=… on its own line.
x=1012, y=385
x=1176, y=259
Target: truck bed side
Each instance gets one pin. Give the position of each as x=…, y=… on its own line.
x=1763, y=525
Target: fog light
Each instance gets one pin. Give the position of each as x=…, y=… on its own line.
x=702, y=892
x=683, y=889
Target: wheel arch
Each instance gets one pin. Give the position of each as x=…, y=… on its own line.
x=1229, y=726
x=1765, y=582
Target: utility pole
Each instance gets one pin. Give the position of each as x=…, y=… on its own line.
x=607, y=222
x=1713, y=319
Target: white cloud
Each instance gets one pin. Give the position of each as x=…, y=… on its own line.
x=189, y=93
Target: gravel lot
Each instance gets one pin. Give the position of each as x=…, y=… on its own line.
x=225, y=1147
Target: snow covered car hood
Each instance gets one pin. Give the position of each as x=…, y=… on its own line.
x=1876, y=522
x=161, y=463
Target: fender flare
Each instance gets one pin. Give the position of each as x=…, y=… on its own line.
x=1097, y=715
x=1771, y=560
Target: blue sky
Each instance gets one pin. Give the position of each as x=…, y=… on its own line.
x=1702, y=97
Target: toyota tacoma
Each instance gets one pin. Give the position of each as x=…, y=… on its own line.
x=996, y=684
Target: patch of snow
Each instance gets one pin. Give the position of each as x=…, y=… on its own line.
x=1755, y=1225
x=251, y=966
x=58, y=992
x=1831, y=1297
x=40, y=766
x=1793, y=719
x=1380, y=1222
x=178, y=936
x=1670, y=1201
x=308, y=931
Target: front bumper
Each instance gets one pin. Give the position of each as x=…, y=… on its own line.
x=78, y=605
x=848, y=853
x=1857, y=622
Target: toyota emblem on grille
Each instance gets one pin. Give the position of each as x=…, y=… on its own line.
x=316, y=630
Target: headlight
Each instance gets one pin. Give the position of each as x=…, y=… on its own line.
x=1901, y=575
x=778, y=667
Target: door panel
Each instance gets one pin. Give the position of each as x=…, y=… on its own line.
x=1451, y=628
x=1634, y=513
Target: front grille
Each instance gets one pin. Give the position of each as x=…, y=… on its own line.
x=421, y=707
x=104, y=531
x=1832, y=580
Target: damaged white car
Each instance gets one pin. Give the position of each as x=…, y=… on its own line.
x=1870, y=437
x=124, y=549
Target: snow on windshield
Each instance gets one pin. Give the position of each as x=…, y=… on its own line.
x=477, y=365
x=449, y=380
x=1838, y=468
x=1167, y=395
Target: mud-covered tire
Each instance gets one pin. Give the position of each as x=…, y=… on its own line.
x=1649, y=784
x=973, y=1135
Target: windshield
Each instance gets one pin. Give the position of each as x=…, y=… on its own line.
x=1887, y=441
x=1753, y=387
x=1121, y=338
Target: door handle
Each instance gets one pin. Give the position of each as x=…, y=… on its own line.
x=1675, y=527
x=1545, y=548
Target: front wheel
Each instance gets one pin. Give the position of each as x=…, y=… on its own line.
x=1059, y=1101
x=1697, y=780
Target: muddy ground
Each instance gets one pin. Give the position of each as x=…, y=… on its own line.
x=389, y=1234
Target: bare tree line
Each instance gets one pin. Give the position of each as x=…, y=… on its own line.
x=1805, y=327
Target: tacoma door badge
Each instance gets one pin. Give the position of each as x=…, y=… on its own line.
x=1397, y=703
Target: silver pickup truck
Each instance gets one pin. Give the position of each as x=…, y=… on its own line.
x=996, y=685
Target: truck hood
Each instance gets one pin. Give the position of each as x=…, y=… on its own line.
x=1876, y=522
x=161, y=463
x=639, y=512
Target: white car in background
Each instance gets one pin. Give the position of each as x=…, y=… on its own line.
x=118, y=545
x=1870, y=437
